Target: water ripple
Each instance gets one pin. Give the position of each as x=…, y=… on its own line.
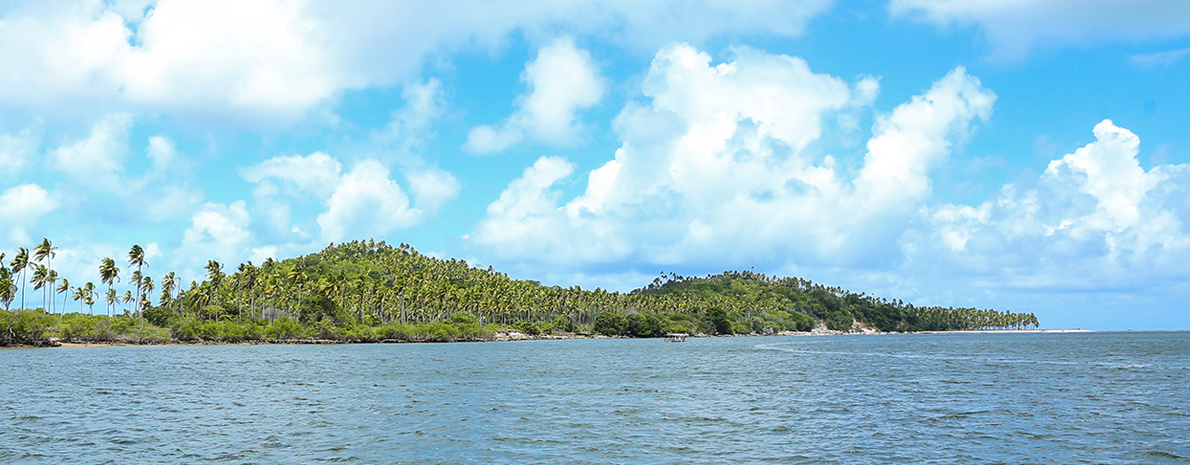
x=1021, y=398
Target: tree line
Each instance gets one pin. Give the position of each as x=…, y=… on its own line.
x=368, y=290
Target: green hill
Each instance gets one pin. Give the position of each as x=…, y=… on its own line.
x=368, y=291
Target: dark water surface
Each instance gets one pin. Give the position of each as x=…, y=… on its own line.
x=961, y=398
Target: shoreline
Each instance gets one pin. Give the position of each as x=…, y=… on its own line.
x=516, y=336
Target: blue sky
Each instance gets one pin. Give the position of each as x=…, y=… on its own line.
x=1020, y=155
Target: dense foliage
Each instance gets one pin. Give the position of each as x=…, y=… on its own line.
x=370, y=291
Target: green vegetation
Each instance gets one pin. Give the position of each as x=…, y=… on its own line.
x=368, y=291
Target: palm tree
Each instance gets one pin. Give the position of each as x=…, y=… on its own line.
x=109, y=274
x=79, y=296
x=63, y=289
x=111, y=298
x=41, y=277
x=136, y=257
x=215, y=275
x=19, y=264
x=136, y=281
x=168, y=284
x=8, y=288
x=146, y=285
x=46, y=251
x=89, y=296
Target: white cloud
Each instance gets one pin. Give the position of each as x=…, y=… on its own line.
x=526, y=222
x=431, y=188
x=21, y=206
x=366, y=203
x=315, y=174
x=1095, y=220
x=159, y=203
x=212, y=59
x=256, y=56
x=162, y=152
x=217, y=232
x=98, y=160
x=714, y=169
x=391, y=39
x=362, y=202
x=96, y=167
x=15, y=151
x=287, y=186
x=487, y=139
x=412, y=124
x=270, y=61
x=284, y=179
x=1014, y=27
x=916, y=137
x=562, y=80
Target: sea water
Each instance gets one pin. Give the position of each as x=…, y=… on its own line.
x=947, y=398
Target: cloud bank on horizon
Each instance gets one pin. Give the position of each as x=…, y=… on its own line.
x=599, y=142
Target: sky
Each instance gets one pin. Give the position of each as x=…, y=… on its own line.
x=1022, y=155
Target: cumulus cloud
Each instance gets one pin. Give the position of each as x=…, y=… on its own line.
x=15, y=151
x=98, y=159
x=217, y=232
x=366, y=203
x=270, y=61
x=96, y=166
x=210, y=59
x=715, y=169
x=412, y=124
x=162, y=152
x=431, y=188
x=359, y=203
x=562, y=80
x=1015, y=27
x=315, y=174
x=21, y=207
x=1094, y=219
x=282, y=180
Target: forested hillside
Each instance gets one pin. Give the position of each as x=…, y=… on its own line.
x=365, y=291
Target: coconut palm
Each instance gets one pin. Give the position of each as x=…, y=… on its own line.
x=89, y=296
x=78, y=296
x=51, y=277
x=215, y=275
x=146, y=285
x=19, y=264
x=41, y=277
x=63, y=288
x=135, y=282
x=46, y=251
x=8, y=288
x=109, y=274
x=111, y=298
x=168, y=284
x=136, y=257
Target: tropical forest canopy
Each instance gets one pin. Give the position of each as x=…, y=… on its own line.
x=368, y=291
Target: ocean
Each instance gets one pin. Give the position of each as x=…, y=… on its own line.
x=1109, y=397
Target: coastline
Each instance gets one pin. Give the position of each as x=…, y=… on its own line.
x=512, y=336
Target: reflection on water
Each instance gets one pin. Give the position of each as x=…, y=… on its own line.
x=1013, y=398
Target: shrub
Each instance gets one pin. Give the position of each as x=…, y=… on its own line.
x=159, y=316
x=609, y=324
x=718, y=320
x=462, y=318
x=840, y=322
x=527, y=327
x=285, y=329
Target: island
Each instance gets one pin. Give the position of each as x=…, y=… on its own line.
x=369, y=291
